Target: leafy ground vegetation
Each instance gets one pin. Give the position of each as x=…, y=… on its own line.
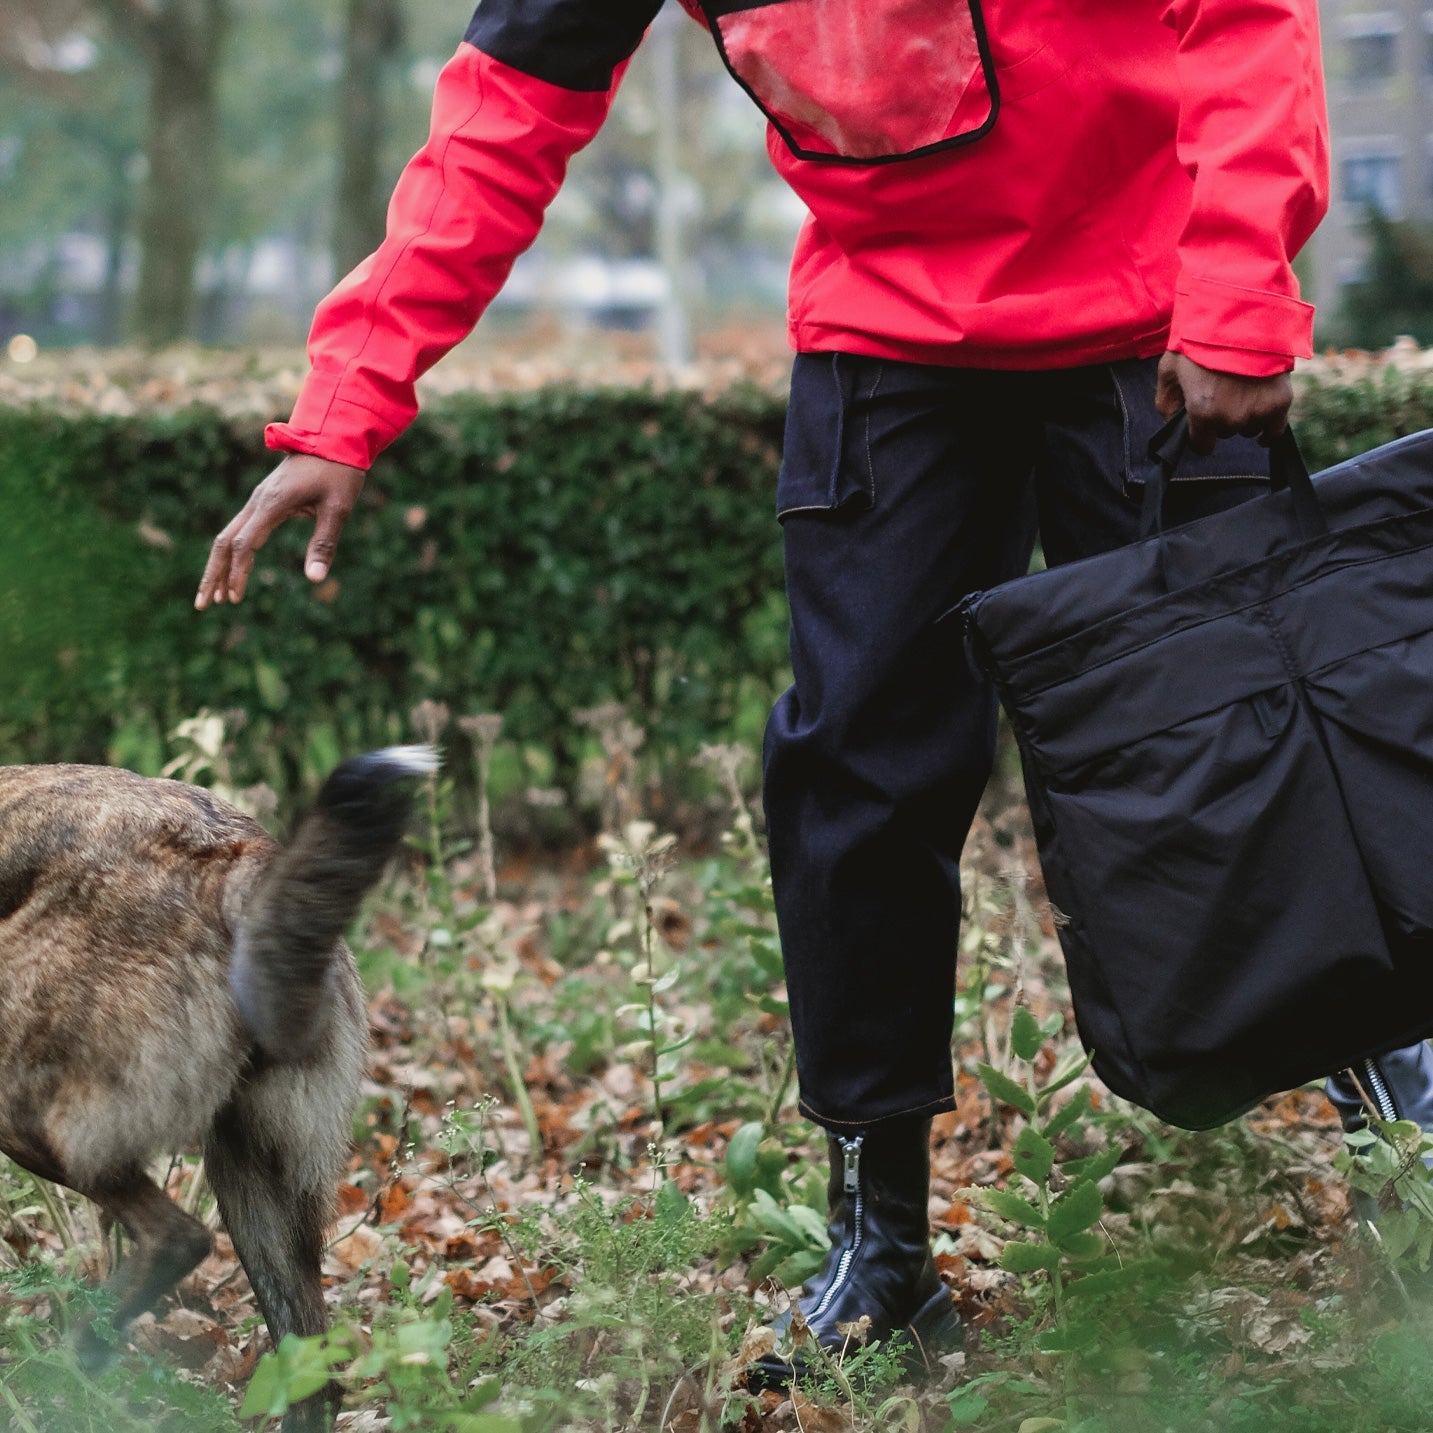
x=578, y=1183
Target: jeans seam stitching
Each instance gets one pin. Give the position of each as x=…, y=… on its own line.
x=945, y=1101
x=833, y=485
x=1127, y=477
x=870, y=461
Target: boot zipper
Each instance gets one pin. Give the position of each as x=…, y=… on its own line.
x=851, y=1185
x=1379, y=1090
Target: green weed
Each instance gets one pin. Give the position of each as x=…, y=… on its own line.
x=43, y=1389
x=634, y=1334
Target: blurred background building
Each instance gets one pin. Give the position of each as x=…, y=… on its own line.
x=1370, y=266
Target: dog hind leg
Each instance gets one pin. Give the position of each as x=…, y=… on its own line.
x=167, y=1245
x=276, y=1218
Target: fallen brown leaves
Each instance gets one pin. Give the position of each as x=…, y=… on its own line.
x=1275, y=1224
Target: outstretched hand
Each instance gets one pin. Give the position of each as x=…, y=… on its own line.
x=301, y=486
x=1220, y=405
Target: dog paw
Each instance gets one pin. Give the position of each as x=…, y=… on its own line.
x=93, y=1352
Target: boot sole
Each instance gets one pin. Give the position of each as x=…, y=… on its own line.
x=933, y=1329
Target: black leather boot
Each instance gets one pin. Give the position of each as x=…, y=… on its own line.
x=880, y=1263
x=1399, y=1083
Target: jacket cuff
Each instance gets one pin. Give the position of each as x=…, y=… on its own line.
x=1236, y=330
x=331, y=427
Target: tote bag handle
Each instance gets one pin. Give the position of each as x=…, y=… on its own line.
x=1286, y=470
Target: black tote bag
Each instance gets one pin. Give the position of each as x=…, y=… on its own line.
x=1227, y=737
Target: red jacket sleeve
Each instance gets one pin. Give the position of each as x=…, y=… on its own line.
x=467, y=204
x=1253, y=134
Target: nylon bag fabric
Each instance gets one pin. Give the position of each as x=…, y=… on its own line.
x=1227, y=737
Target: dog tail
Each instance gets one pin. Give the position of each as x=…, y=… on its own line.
x=292, y=922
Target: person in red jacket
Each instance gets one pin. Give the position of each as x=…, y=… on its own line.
x=1034, y=227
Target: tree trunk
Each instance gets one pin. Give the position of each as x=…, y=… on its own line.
x=181, y=41
x=110, y=321
x=372, y=38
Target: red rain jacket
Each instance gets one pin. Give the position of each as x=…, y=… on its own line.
x=1011, y=184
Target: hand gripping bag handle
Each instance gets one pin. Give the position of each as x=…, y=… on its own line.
x=1286, y=470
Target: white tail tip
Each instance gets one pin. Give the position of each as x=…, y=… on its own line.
x=413, y=760
x=419, y=760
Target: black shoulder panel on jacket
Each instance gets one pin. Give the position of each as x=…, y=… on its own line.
x=572, y=43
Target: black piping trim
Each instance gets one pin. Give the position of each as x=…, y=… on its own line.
x=734, y=7
x=714, y=9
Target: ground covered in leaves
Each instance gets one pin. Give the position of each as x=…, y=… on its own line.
x=579, y=1184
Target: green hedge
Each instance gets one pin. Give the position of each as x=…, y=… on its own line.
x=1337, y=419
x=530, y=554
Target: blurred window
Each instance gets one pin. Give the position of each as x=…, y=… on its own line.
x=1372, y=179
x=1370, y=44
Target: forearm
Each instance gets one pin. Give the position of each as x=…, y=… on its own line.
x=1253, y=135
x=466, y=206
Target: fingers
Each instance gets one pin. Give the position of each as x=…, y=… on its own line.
x=1168, y=391
x=1204, y=432
x=258, y=521
x=1220, y=405
x=302, y=485
x=340, y=490
x=324, y=542
x=231, y=558
x=1274, y=424
x=215, y=581
x=1209, y=425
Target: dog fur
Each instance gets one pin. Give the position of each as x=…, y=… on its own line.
x=171, y=976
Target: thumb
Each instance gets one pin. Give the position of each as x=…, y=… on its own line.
x=324, y=542
x=1168, y=392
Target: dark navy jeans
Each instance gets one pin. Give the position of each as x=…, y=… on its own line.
x=904, y=488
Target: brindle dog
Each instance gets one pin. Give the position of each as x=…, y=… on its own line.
x=169, y=975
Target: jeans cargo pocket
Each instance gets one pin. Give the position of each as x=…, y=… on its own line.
x=826, y=461
x=1234, y=461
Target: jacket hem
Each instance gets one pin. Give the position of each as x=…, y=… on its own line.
x=814, y=337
